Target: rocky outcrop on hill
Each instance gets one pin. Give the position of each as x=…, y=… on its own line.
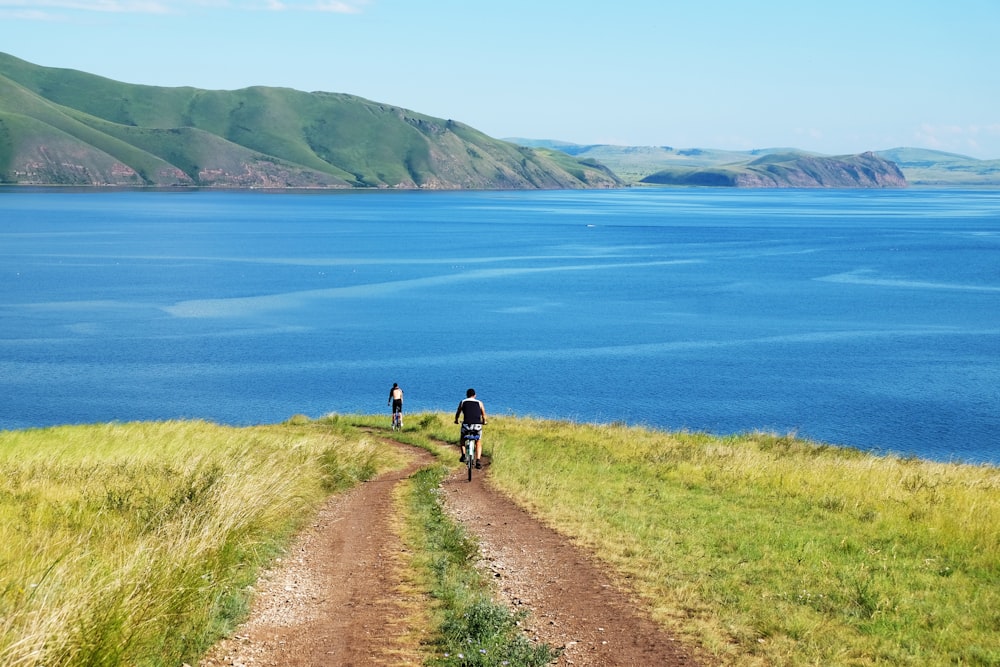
x=866, y=170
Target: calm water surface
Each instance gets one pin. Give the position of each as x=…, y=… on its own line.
x=869, y=319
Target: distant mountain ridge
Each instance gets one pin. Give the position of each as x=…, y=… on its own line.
x=789, y=170
x=65, y=127
x=928, y=167
x=634, y=163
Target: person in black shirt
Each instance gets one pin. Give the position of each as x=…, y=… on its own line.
x=396, y=397
x=473, y=415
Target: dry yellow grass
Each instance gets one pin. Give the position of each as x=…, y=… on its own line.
x=132, y=543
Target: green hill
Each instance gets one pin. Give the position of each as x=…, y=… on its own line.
x=789, y=170
x=65, y=127
x=927, y=167
x=635, y=163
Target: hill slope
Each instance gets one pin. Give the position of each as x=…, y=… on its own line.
x=927, y=167
x=634, y=163
x=790, y=170
x=65, y=127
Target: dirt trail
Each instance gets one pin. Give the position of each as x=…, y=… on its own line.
x=336, y=600
x=572, y=602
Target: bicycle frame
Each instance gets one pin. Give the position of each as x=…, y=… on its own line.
x=469, y=441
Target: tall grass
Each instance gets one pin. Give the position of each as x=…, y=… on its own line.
x=771, y=550
x=133, y=544
x=473, y=630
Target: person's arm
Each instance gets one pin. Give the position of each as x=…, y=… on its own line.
x=458, y=412
x=483, y=409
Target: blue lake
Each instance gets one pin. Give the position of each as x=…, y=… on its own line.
x=861, y=318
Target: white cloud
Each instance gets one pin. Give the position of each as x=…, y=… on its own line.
x=943, y=137
x=113, y=6
x=811, y=133
x=29, y=15
x=340, y=7
x=973, y=139
x=334, y=6
x=40, y=9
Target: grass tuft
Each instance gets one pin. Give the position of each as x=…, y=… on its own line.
x=474, y=630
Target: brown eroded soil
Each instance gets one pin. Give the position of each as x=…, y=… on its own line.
x=339, y=597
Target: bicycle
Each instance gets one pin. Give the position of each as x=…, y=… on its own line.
x=470, y=437
x=397, y=420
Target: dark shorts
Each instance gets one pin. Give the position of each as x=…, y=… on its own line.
x=397, y=405
x=474, y=431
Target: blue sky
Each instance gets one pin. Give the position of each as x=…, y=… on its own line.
x=832, y=77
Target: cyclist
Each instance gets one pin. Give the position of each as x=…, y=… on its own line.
x=473, y=417
x=396, y=399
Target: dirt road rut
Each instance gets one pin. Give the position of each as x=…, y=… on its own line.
x=338, y=599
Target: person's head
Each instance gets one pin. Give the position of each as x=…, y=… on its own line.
x=394, y=385
x=470, y=392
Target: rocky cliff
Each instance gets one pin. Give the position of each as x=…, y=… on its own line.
x=866, y=170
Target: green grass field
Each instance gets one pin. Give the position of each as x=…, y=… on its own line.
x=133, y=544
x=767, y=547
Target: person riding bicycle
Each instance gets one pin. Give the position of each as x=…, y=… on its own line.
x=473, y=417
x=396, y=398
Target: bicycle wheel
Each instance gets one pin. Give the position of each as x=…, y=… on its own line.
x=470, y=454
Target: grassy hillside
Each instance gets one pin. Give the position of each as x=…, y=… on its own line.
x=926, y=167
x=789, y=170
x=133, y=543
x=86, y=129
x=37, y=136
x=634, y=163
